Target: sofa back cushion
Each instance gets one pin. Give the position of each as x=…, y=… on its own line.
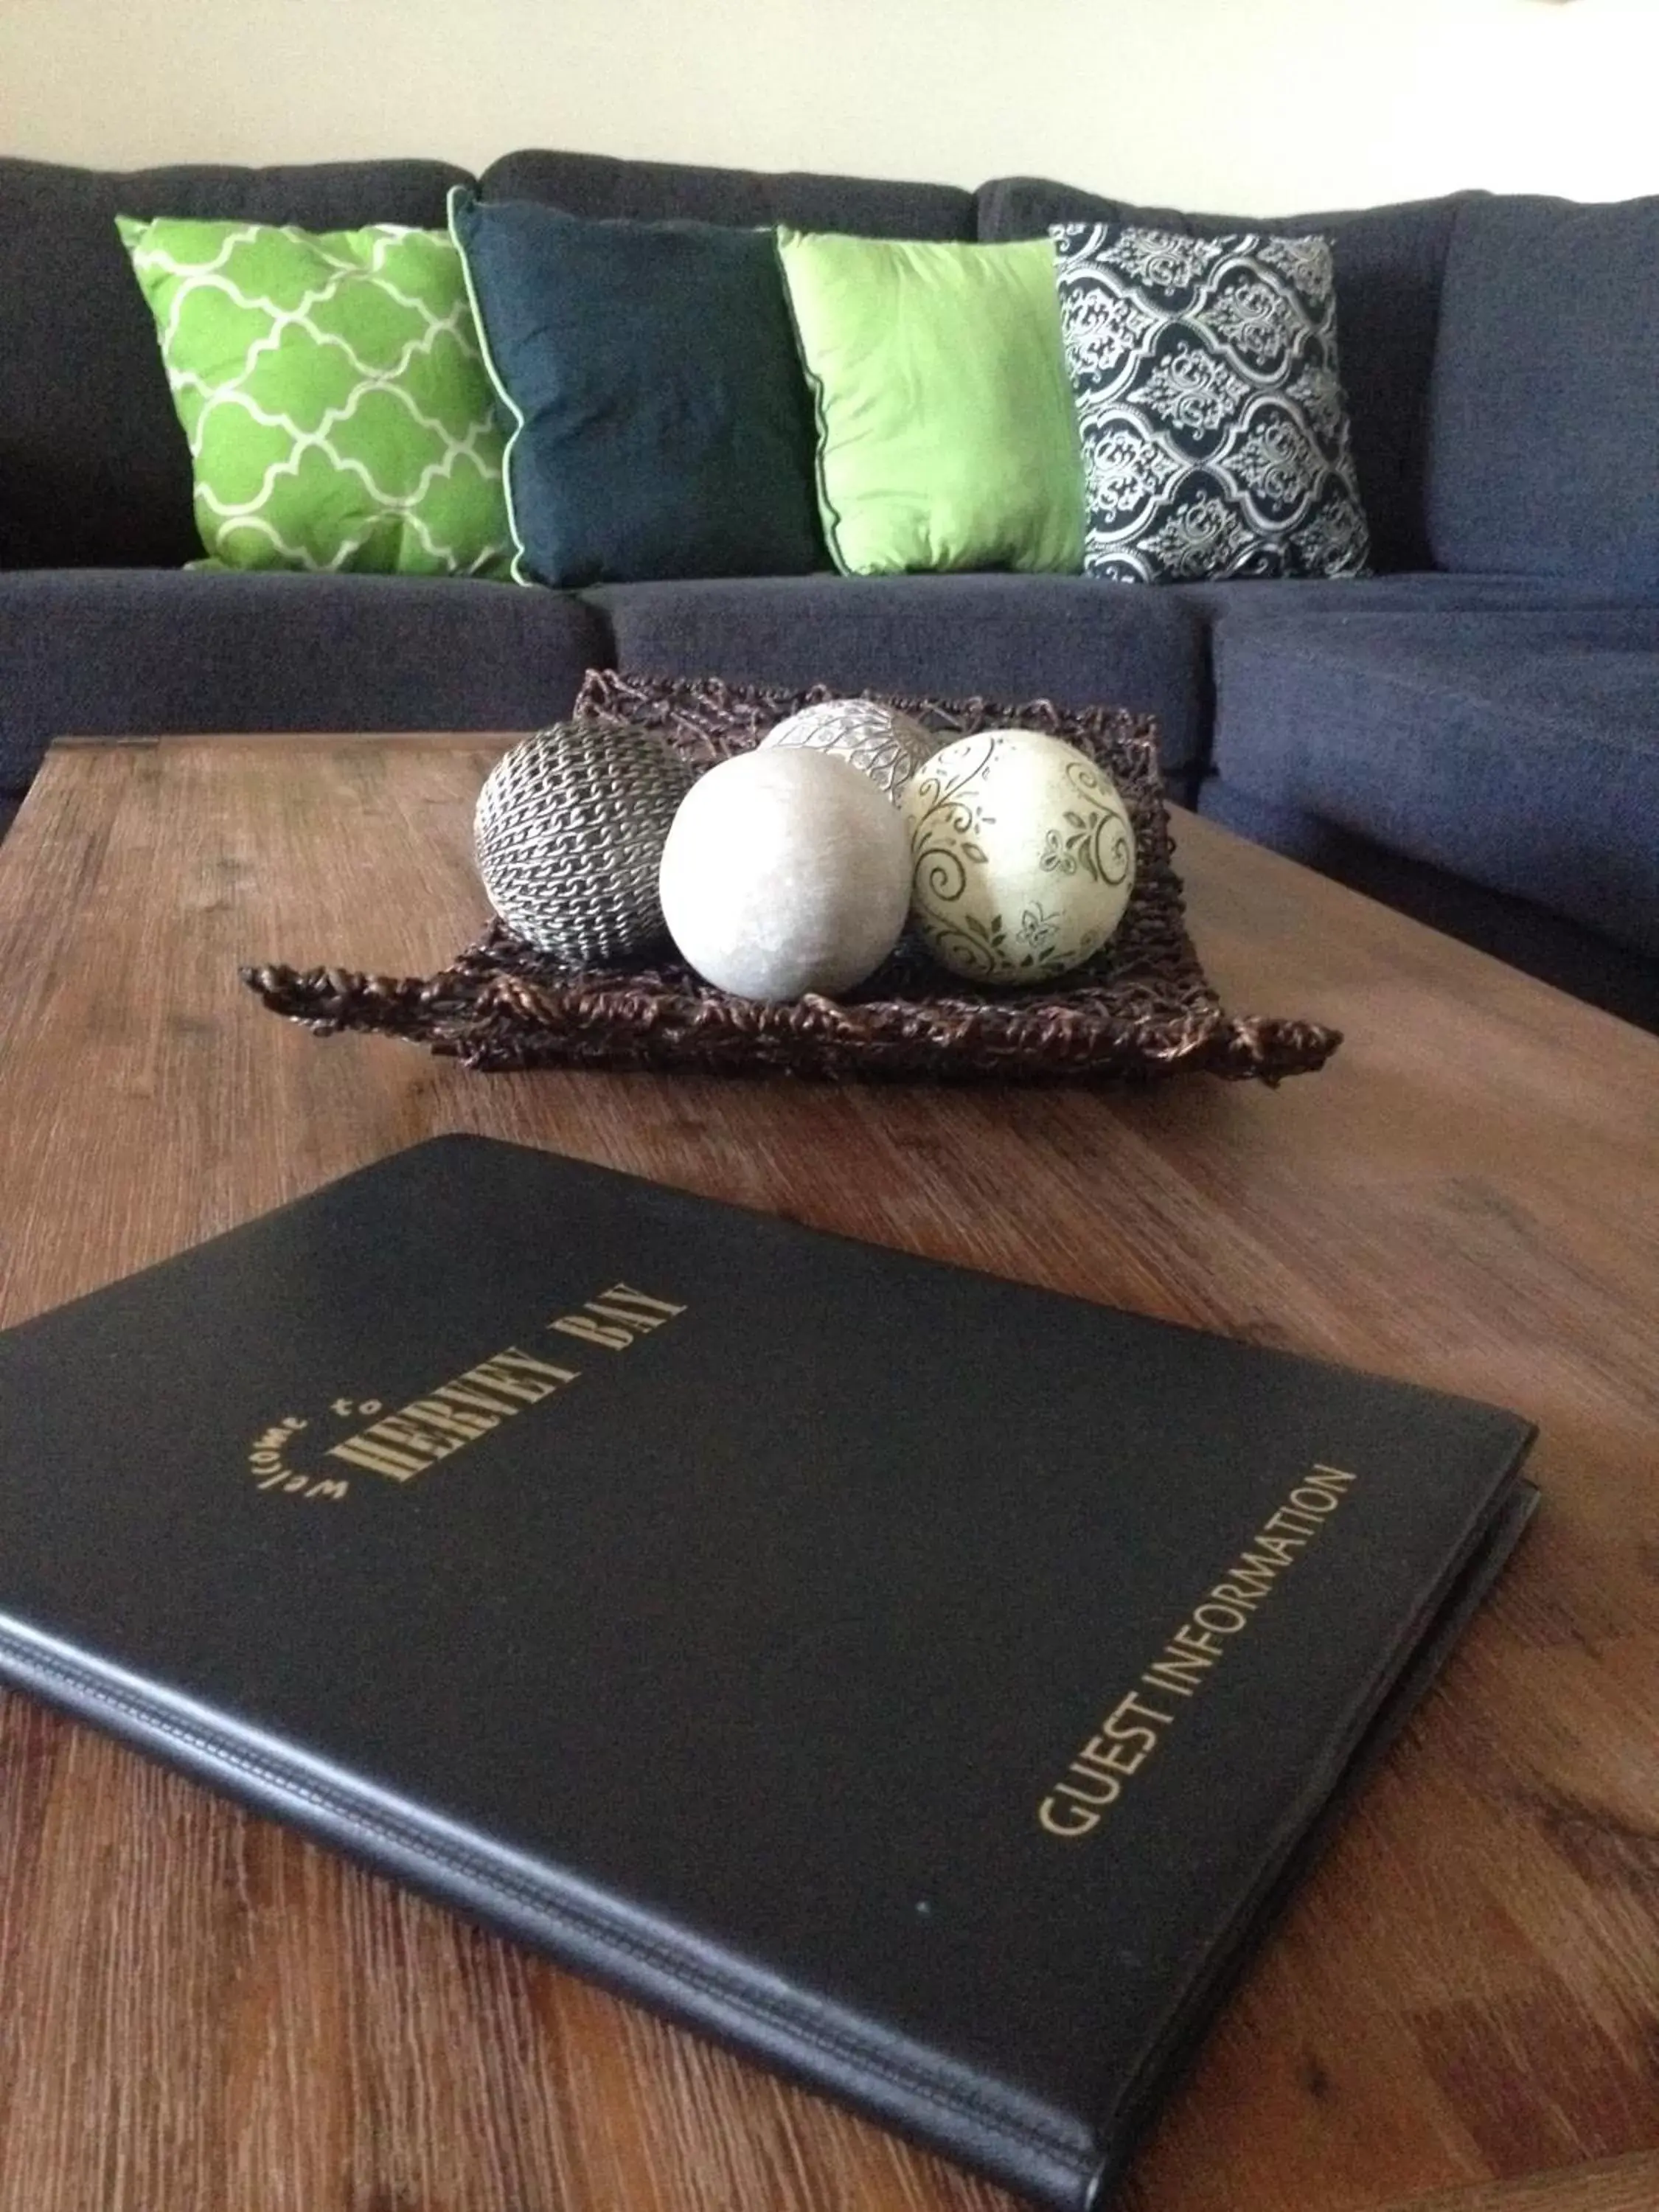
x=1544, y=447
x=93, y=466
x=596, y=184
x=1388, y=262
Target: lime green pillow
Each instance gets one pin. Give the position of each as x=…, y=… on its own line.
x=330, y=386
x=947, y=437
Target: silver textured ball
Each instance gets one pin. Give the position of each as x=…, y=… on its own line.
x=786, y=872
x=569, y=830
x=880, y=741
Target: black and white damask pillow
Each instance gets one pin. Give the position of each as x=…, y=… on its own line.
x=1214, y=427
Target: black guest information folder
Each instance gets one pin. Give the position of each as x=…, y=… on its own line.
x=928, y=1686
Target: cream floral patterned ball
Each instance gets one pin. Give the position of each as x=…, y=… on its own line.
x=1022, y=856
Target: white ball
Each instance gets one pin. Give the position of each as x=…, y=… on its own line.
x=1023, y=852
x=785, y=872
x=880, y=741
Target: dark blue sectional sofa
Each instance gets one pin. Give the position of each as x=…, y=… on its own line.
x=1472, y=733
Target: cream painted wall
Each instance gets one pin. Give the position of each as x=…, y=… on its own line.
x=1243, y=105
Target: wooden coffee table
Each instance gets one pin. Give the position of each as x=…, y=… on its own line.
x=201, y=2013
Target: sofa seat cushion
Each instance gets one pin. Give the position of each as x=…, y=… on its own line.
x=1579, y=961
x=1002, y=636
x=94, y=467
x=113, y=653
x=1272, y=599
x=1544, y=424
x=1518, y=750
x=602, y=185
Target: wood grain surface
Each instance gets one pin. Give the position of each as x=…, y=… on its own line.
x=201, y=2013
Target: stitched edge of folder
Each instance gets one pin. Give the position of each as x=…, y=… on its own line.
x=90, y=1686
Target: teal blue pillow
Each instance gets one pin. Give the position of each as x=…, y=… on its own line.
x=658, y=418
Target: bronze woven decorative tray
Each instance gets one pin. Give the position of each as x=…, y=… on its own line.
x=1142, y=1007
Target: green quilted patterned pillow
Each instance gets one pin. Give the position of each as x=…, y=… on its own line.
x=330, y=386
